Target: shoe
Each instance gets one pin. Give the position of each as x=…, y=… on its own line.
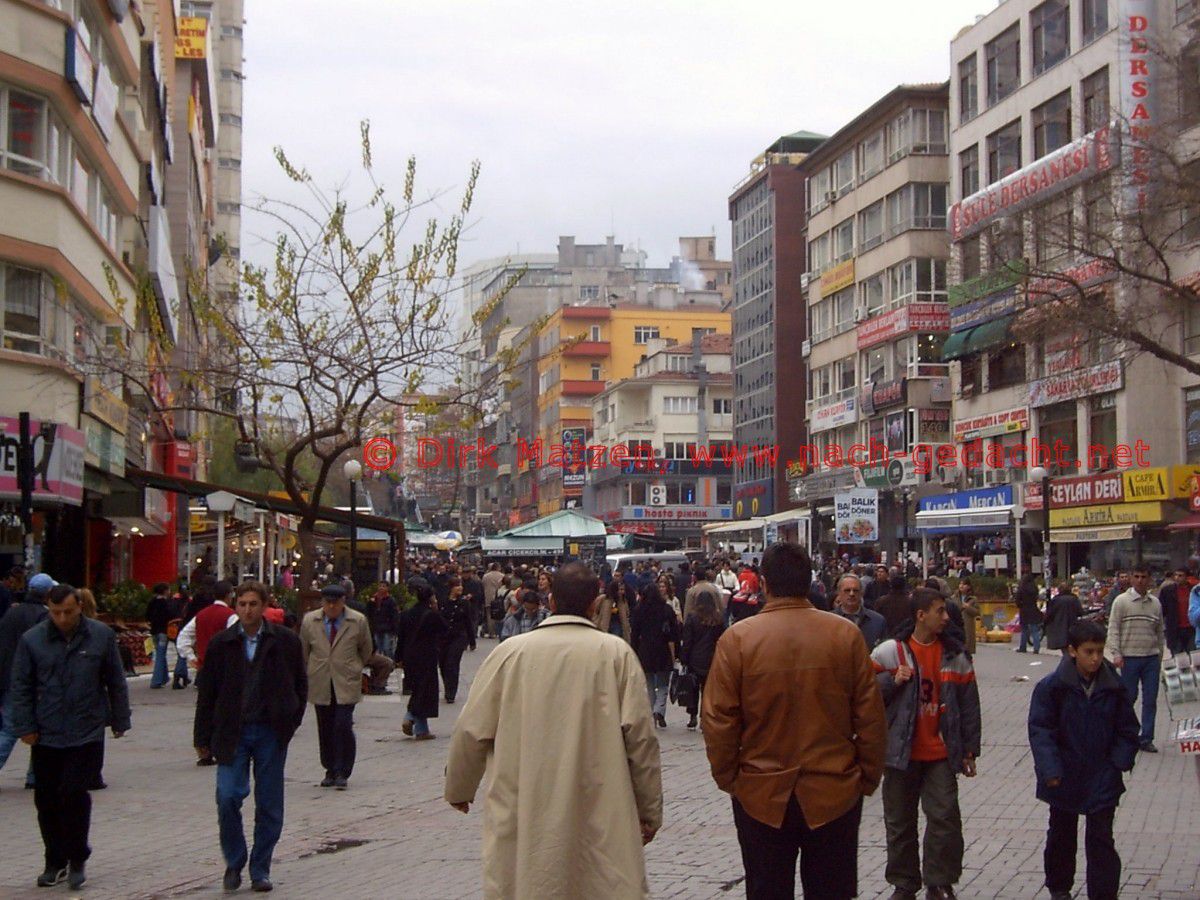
x=232, y=880
x=52, y=876
x=449, y=699
x=98, y=785
x=407, y=727
x=425, y=737
x=940, y=893
x=1019, y=650
x=1148, y=747
x=328, y=781
x=77, y=877
x=157, y=687
x=206, y=761
x=262, y=887
x=660, y=720
x=902, y=894
x=692, y=723
x=340, y=783
x=177, y=685
x=1060, y=895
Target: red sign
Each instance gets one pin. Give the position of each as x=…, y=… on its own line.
x=1077, y=278
x=905, y=320
x=1078, y=161
x=1086, y=490
x=634, y=528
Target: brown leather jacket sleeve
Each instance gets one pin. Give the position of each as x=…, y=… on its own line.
x=722, y=712
x=870, y=720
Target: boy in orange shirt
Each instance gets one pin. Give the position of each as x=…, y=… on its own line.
x=932, y=701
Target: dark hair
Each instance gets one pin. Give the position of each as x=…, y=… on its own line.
x=574, y=588
x=161, y=588
x=422, y=589
x=924, y=598
x=652, y=594
x=964, y=580
x=708, y=575
x=529, y=595
x=706, y=609
x=61, y=592
x=1141, y=568
x=787, y=570
x=615, y=588
x=1085, y=631
x=253, y=587
x=897, y=584
x=223, y=589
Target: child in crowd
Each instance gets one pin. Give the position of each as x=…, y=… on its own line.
x=1084, y=734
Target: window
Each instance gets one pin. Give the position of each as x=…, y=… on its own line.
x=970, y=377
x=1050, y=30
x=1006, y=242
x=1098, y=215
x=877, y=365
x=679, y=405
x=1052, y=124
x=1189, y=88
x=681, y=493
x=1191, y=414
x=1006, y=366
x=1003, y=64
x=26, y=125
x=819, y=253
x=1053, y=231
x=822, y=321
x=231, y=31
x=230, y=162
x=968, y=89
x=871, y=156
x=722, y=406
x=22, y=309
x=1004, y=151
x=928, y=130
x=843, y=310
x=724, y=493
x=818, y=187
x=843, y=240
x=969, y=249
x=968, y=168
x=870, y=226
x=594, y=334
x=595, y=371
x=1184, y=10
x=821, y=382
x=1095, y=19
x=843, y=173
x=1102, y=427
x=929, y=205
x=899, y=211
x=872, y=295
x=644, y=333
x=901, y=282
x=589, y=292
x=899, y=137
x=1057, y=423
x=1191, y=330
x=931, y=281
x=1095, y=101
x=678, y=448
x=845, y=375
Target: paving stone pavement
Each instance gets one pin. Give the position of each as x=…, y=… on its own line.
x=154, y=831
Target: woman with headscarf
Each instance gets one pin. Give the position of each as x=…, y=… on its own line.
x=421, y=629
x=612, y=612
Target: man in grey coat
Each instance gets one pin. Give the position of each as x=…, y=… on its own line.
x=67, y=686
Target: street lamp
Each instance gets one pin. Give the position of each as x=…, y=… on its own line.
x=905, y=498
x=352, y=469
x=1042, y=474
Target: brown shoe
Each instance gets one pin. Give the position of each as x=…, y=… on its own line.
x=425, y=737
x=407, y=728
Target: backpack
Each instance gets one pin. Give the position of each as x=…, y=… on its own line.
x=497, y=610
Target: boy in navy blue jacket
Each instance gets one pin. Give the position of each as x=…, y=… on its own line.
x=1084, y=734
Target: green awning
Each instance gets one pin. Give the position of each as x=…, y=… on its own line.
x=955, y=346
x=990, y=334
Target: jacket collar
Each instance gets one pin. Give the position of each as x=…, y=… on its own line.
x=81, y=631
x=787, y=603
x=1106, y=678
x=564, y=619
x=950, y=646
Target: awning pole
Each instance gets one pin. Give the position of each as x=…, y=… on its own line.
x=1017, y=529
x=262, y=548
x=220, y=546
x=924, y=554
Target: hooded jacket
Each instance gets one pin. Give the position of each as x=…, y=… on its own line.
x=1086, y=741
x=960, y=721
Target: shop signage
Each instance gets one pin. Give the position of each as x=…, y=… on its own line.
x=1078, y=161
x=677, y=513
x=1184, y=481
x=79, y=69
x=889, y=393
x=820, y=485
x=1147, y=484
x=1137, y=99
x=991, y=424
x=58, y=466
x=1085, y=490
x=1081, y=383
x=933, y=426
x=833, y=415
x=895, y=432
x=968, y=315
x=1081, y=277
x=984, y=498
x=796, y=469
x=105, y=448
x=856, y=516
x=939, y=389
x=103, y=404
x=191, y=38
x=905, y=320
x=1005, y=275
x=634, y=528
x=1113, y=514
x=892, y=474
x=755, y=498
x=838, y=278
x=574, y=464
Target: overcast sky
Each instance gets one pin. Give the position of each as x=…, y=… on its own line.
x=627, y=118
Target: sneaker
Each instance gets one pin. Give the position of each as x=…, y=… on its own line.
x=232, y=880
x=692, y=723
x=262, y=886
x=52, y=876
x=327, y=781
x=341, y=782
x=77, y=877
x=1148, y=747
x=940, y=893
x=660, y=720
x=206, y=761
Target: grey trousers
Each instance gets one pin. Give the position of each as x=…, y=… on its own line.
x=935, y=786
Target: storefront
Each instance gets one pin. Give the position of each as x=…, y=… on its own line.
x=816, y=491
x=961, y=523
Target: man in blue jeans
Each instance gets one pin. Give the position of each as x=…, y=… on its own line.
x=253, y=691
x=1135, y=642
x=158, y=614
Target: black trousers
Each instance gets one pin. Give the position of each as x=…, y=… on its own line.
x=1103, y=863
x=828, y=855
x=335, y=736
x=63, y=776
x=450, y=662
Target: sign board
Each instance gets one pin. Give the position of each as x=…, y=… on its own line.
x=981, y=499
x=968, y=315
x=1081, y=277
x=1099, y=379
x=821, y=485
x=991, y=424
x=677, y=513
x=915, y=317
x=574, y=466
x=1005, y=275
x=1147, y=484
x=1085, y=490
x=191, y=38
x=898, y=472
x=933, y=426
x=105, y=447
x=58, y=466
x=856, y=516
x=838, y=278
x=1113, y=514
x=995, y=561
x=833, y=415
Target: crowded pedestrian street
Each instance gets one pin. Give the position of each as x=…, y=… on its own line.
x=392, y=835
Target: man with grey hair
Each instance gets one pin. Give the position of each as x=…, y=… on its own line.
x=848, y=603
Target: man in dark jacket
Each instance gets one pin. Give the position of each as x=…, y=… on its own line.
x=849, y=603
x=158, y=614
x=1083, y=733
x=934, y=734
x=1061, y=612
x=896, y=606
x=67, y=686
x=27, y=610
x=253, y=691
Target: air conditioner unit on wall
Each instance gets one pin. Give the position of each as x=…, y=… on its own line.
x=805, y=349
x=860, y=314
x=997, y=476
x=806, y=280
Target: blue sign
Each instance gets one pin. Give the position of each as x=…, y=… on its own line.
x=968, y=501
x=991, y=307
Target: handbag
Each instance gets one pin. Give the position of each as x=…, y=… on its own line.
x=687, y=688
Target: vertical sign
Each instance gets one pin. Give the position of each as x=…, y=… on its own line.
x=574, y=473
x=856, y=516
x=1137, y=101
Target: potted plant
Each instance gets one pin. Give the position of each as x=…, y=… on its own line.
x=126, y=601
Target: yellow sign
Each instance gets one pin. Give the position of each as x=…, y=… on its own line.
x=1183, y=478
x=1113, y=514
x=1147, y=484
x=191, y=41
x=840, y=276
x=198, y=522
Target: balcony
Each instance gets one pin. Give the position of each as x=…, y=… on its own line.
x=586, y=312
x=578, y=388
x=588, y=348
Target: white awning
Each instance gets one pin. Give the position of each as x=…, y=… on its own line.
x=741, y=525
x=791, y=515
x=1088, y=535
x=521, y=546
x=988, y=517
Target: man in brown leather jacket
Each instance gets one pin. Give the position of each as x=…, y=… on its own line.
x=795, y=730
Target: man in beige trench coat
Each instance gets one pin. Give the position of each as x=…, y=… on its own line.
x=561, y=717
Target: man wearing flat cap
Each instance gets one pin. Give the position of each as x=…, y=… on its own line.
x=336, y=641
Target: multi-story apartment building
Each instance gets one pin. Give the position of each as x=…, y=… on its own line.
x=768, y=211
x=876, y=299
x=1042, y=96
x=679, y=398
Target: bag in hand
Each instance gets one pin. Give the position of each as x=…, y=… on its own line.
x=684, y=688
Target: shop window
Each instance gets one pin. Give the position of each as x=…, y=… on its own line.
x=1058, y=423
x=1102, y=431
x=681, y=493
x=1006, y=366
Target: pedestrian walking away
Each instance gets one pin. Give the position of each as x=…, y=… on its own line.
x=459, y=614
x=336, y=642
x=1062, y=610
x=1083, y=734
x=252, y=695
x=1031, y=613
x=1135, y=641
x=67, y=686
x=421, y=630
x=655, y=631
x=797, y=753
x=698, y=644
x=569, y=699
x=934, y=735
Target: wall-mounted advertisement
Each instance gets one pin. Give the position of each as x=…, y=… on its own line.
x=856, y=516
